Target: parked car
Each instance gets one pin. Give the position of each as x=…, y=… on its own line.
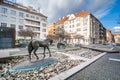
x=21, y=45
x=117, y=44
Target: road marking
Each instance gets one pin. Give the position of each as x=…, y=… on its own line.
x=113, y=59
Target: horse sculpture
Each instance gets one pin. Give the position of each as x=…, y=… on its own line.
x=35, y=44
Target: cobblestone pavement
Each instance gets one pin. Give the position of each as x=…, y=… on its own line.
x=102, y=69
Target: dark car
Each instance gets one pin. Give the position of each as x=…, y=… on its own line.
x=117, y=44
x=21, y=45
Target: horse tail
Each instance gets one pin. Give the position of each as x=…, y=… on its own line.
x=30, y=47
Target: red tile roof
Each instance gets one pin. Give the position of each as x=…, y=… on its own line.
x=62, y=20
x=83, y=13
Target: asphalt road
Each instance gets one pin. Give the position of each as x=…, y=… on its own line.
x=106, y=68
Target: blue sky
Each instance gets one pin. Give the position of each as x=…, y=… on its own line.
x=110, y=20
x=107, y=11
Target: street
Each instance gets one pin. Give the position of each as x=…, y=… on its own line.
x=106, y=68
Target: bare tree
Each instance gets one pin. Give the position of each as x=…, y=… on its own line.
x=52, y=37
x=26, y=33
x=30, y=33
x=22, y=33
x=60, y=34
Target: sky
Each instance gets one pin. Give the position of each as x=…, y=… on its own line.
x=107, y=11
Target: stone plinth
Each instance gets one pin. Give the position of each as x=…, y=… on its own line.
x=33, y=65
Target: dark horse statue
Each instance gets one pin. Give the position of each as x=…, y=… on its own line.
x=35, y=44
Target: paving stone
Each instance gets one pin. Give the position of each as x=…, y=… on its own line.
x=102, y=69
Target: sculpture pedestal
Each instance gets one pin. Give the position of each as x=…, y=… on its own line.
x=33, y=65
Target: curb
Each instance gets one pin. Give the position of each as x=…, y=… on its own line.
x=101, y=50
x=64, y=75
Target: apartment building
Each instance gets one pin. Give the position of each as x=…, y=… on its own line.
x=109, y=36
x=21, y=17
x=117, y=38
x=83, y=24
x=116, y=30
x=116, y=34
x=51, y=29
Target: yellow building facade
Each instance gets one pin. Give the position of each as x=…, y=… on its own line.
x=51, y=29
x=108, y=36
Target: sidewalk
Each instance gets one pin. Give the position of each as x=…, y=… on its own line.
x=7, y=52
x=103, y=48
x=4, y=54
x=23, y=51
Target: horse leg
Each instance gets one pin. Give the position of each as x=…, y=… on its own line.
x=35, y=52
x=49, y=51
x=30, y=56
x=30, y=53
x=44, y=52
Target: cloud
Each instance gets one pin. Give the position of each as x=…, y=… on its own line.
x=56, y=9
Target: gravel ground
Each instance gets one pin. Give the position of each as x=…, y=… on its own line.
x=63, y=64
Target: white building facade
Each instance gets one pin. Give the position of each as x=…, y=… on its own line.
x=21, y=17
x=116, y=30
x=83, y=24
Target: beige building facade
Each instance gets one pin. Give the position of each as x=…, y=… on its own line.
x=109, y=36
x=117, y=38
x=83, y=28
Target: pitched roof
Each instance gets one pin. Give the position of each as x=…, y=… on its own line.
x=62, y=20
x=82, y=13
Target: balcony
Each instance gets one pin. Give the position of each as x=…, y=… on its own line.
x=31, y=19
x=33, y=25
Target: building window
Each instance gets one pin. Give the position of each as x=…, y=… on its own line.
x=27, y=15
x=3, y=24
x=13, y=12
x=37, y=17
x=78, y=24
x=43, y=30
x=44, y=24
x=21, y=21
x=4, y=10
x=85, y=21
x=43, y=19
x=21, y=14
x=4, y=18
x=44, y=35
x=13, y=19
x=33, y=17
x=12, y=25
x=37, y=29
x=78, y=29
x=20, y=27
x=38, y=35
x=85, y=29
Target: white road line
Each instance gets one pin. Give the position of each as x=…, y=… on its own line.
x=113, y=59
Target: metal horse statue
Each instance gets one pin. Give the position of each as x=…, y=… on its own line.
x=35, y=44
